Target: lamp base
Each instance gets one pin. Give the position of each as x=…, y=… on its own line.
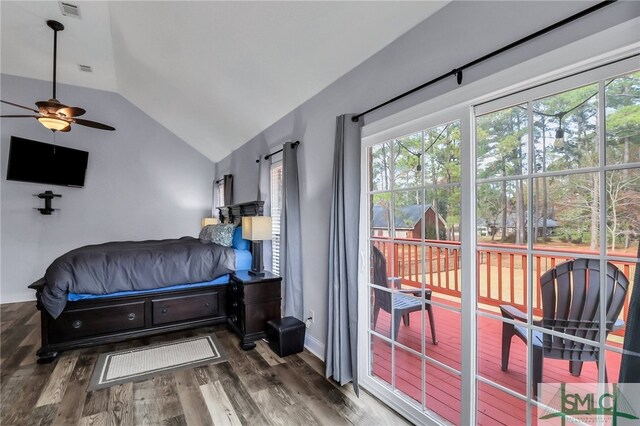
x=257, y=267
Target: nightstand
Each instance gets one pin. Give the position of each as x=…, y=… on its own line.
x=252, y=301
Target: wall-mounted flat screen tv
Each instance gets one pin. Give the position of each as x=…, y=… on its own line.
x=38, y=162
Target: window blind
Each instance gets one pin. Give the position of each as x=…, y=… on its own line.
x=220, y=201
x=276, y=208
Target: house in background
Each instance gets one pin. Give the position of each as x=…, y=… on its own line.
x=408, y=221
x=552, y=225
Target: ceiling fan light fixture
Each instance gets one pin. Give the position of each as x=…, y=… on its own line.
x=54, y=124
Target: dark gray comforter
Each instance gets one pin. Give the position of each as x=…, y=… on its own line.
x=133, y=265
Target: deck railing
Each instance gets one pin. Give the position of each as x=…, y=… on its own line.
x=502, y=272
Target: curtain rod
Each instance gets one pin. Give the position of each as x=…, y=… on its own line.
x=221, y=179
x=458, y=71
x=266, y=157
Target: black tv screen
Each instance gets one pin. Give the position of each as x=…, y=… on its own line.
x=38, y=162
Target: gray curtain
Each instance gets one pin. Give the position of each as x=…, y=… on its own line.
x=214, y=185
x=291, y=246
x=341, y=356
x=630, y=367
x=228, y=190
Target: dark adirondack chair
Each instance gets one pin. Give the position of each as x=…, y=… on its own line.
x=403, y=302
x=570, y=305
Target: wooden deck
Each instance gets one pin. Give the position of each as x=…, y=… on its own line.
x=443, y=388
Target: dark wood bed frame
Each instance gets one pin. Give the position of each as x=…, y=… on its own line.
x=97, y=321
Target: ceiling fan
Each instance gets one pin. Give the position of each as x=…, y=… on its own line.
x=52, y=114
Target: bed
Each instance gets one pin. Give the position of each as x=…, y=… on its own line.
x=91, y=319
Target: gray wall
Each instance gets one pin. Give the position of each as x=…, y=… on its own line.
x=142, y=182
x=458, y=33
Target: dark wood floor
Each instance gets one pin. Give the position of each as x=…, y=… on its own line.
x=253, y=388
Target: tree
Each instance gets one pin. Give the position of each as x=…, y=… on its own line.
x=623, y=199
x=490, y=205
x=502, y=141
x=622, y=99
x=565, y=135
x=442, y=167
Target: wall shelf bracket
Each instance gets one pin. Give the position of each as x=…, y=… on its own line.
x=47, y=196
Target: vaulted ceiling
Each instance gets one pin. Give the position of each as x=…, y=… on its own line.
x=214, y=73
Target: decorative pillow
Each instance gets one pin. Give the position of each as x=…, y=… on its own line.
x=240, y=243
x=205, y=233
x=221, y=234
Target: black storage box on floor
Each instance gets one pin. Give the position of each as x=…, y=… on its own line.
x=286, y=336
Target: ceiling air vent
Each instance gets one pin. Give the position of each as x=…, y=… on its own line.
x=85, y=68
x=69, y=9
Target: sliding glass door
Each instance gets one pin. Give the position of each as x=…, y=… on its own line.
x=470, y=219
x=415, y=285
x=558, y=209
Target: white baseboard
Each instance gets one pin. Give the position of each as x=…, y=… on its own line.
x=27, y=296
x=314, y=346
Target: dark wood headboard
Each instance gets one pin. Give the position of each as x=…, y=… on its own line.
x=234, y=212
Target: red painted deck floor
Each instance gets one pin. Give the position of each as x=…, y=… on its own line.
x=443, y=388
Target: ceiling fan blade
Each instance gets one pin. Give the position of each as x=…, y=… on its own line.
x=19, y=106
x=51, y=103
x=19, y=116
x=93, y=124
x=71, y=111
